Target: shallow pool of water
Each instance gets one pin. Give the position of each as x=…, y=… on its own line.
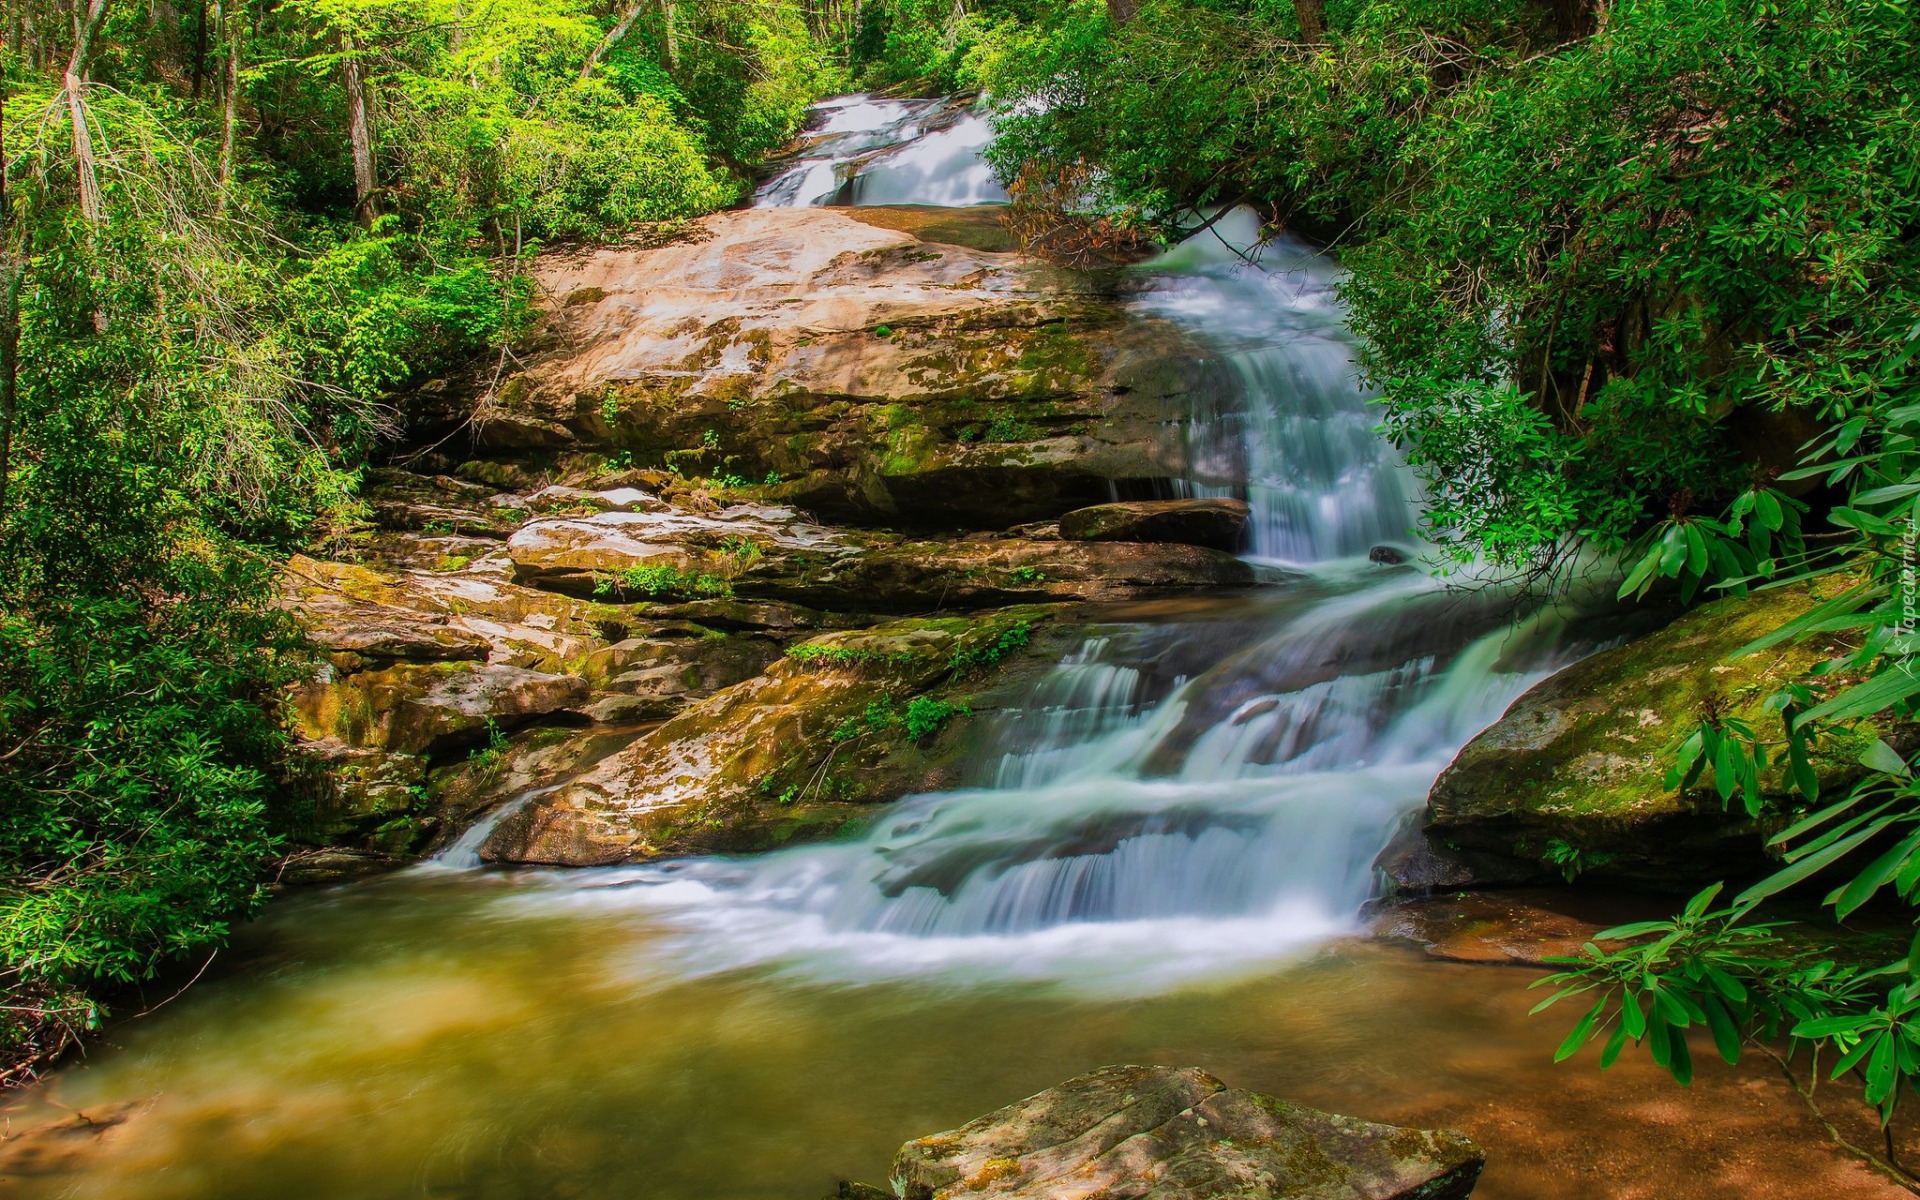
x=439, y=1036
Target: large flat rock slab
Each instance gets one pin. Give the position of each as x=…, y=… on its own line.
x=867, y=367
x=1166, y=1133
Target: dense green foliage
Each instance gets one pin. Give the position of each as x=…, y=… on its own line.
x=1641, y=277
x=247, y=226
x=1601, y=283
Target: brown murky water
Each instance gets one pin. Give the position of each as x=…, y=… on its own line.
x=427, y=1036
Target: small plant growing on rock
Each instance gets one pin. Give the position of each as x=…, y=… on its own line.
x=1027, y=575
x=980, y=658
x=1573, y=860
x=845, y=656
x=486, y=759
x=1008, y=428
x=928, y=715
x=660, y=580
x=883, y=331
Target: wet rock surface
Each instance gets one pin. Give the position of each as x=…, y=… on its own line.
x=873, y=365
x=1571, y=780
x=1176, y=1133
x=1217, y=524
x=844, y=721
x=605, y=607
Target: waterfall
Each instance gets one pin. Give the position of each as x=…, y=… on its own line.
x=1174, y=797
x=1298, y=439
x=863, y=150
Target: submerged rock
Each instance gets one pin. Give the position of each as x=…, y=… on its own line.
x=1218, y=524
x=1164, y=1133
x=1571, y=779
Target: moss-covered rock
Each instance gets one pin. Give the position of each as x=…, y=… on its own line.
x=1170, y=1133
x=857, y=366
x=1572, y=778
x=842, y=722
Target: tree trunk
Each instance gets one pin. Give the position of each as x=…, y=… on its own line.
x=667, y=15
x=1573, y=19
x=365, y=206
x=1312, y=15
x=234, y=27
x=12, y=263
x=612, y=39
x=85, y=24
x=199, y=73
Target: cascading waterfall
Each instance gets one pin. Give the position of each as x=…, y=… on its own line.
x=1298, y=440
x=1140, y=824
x=863, y=150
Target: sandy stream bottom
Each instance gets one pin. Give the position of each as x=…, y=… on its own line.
x=425, y=1036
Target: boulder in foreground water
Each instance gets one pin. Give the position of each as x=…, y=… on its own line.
x=1170, y=1133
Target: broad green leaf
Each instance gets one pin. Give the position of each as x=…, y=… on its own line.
x=1871, y=879
x=1884, y=758
x=1883, y=691
x=1785, y=878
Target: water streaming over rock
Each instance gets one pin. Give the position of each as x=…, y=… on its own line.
x=1176, y=795
x=1298, y=438
x=867, y=150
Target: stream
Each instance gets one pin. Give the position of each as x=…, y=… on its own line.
x=1168, y=860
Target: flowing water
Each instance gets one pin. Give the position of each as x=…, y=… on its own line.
x=1166, y=860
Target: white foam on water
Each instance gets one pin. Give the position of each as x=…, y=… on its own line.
x=1135, y=839
x=868, y=151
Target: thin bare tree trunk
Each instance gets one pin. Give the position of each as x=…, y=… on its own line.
x=199, y=73
x=612, y=39
x=234, y=26
x=12, y=263
x=1312, y=15
x=365, y=205
x=85, y=25
x=668, y=14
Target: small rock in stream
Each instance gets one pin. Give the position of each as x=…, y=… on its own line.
x=1165, y=1133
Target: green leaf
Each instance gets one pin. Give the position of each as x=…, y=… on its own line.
x=1884, y=758
x=1883, y=691
x=1726, y=1038
x=1611, y=1050
x=1785, y=878
x=1633, y=1018
x=1875, y=876
x=1680, y=1058
x=1703, y=898
x=1577, y=1037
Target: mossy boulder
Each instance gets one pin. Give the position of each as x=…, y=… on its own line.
x=842, y=722
x=424, y=708
x=859, y=367
x=1166, y=1133
x=1572, y=778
